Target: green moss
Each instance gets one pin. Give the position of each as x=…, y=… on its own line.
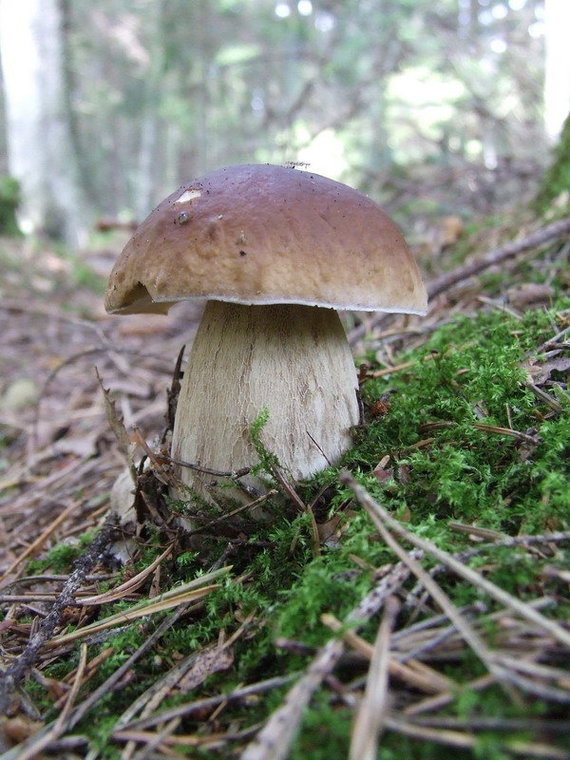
x=267, y=460
x=9, y=202
x=60, y=558
x=446, y=429
x=325, y=732
x=555, y=183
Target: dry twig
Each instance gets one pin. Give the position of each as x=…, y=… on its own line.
x=371, y=713
x=18, y=670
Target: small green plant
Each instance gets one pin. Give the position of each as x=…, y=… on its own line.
x=59, y=559
x=267, y=461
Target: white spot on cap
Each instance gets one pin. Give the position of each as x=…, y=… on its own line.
x=188, y=195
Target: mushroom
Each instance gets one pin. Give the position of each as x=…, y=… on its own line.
x=275, y=251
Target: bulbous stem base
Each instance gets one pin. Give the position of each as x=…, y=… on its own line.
x=292, y=361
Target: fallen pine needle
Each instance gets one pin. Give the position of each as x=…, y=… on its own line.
x=207, y=703
x=187, y=592
x=428, y=680
x=374, y=705
x=127, y=587
x=440, y=700
x=465, y=740
x=38, y=543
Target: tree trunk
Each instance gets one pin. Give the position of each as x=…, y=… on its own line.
x=40, y=152
x=555, y=183
x=148, y=176
x=556, y=66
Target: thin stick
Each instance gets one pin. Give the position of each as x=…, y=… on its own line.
x=235, y=475
x=372, y=711
x=20, y=667
x=497, y=255
x=228, y=515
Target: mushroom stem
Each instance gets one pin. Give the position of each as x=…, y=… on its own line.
x=293, y=361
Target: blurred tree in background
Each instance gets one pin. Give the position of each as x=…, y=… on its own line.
x=9, y=202
x=40, y=119
x=554, y=189
x=433, y=109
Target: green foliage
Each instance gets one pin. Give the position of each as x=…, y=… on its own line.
x=555, y=185
x=351, y=87
x=60, y=559
x=267, y=461
x=9, y=202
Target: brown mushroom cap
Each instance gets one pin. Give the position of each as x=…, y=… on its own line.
x=263, y=234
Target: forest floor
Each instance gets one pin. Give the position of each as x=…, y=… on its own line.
x=335, y=631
